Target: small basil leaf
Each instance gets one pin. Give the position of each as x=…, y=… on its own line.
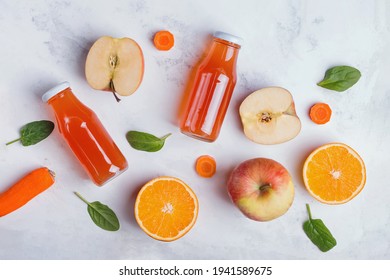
x=35, y=132
x=318, y=233
x=340, y=78
x=145, y=142
x=103, y=216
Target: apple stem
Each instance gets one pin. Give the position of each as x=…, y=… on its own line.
x=308, y=210
x=116, y=97
x=113, y=91
x=265, y=187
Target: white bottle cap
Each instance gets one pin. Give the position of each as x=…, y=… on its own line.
x=53, y=91
x=228, y=37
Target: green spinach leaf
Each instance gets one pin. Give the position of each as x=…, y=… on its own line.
x=318, y=233
x=34, y=132
x=340, y=78
x=101, y=215
x=145, y=142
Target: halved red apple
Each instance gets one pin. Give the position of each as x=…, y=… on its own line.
x=269, y=117
x=116, y=65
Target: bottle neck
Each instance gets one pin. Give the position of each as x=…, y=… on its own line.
x=223, y=53
x=63, y=100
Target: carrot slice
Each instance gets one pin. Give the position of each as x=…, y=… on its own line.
x=164, y=40
x=320, y=113
x=206, y=166
x=25, y=189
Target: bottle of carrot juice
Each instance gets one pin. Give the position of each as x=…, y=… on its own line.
x=85, y=135
x=212, y=89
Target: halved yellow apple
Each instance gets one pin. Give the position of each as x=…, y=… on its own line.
x=268, y=116
x=116, y=65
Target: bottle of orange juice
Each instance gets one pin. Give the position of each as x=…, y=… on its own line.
x=85, y=135
x=212, y=89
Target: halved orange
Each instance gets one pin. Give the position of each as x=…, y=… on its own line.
x=334, y=173
x=166, y=208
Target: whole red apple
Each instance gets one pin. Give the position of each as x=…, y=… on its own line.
x=261, y=188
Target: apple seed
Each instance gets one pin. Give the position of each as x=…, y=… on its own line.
x=265, y=117
x=113, y=61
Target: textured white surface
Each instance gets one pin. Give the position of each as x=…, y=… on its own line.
x=286, y=43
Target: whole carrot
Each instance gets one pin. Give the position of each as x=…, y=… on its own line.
x=25, y=189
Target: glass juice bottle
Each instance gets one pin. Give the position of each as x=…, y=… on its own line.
x=85, y=135
x=212, y=89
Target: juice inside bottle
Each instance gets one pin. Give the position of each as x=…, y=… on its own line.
x=85, y=135
x=212, y=89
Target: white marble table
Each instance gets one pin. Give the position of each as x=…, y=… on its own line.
x=287, y=43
